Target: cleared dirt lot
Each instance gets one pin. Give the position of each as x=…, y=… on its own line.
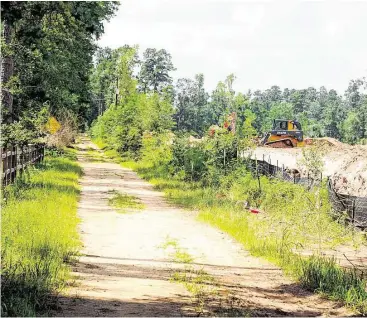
x=345, y=164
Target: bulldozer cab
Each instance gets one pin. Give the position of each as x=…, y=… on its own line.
x=284, y=134
x=279, y=124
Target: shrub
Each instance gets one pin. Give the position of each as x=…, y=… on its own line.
x=65, y=135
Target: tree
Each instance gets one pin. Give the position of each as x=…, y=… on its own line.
x=298, y=99
x=248, y=130
x=190, y=103
x=353, y=95
x=278, y=111
x=52, y=48
x=351, y=128
x=123, y=124
x=155, y=68
x=224, y=101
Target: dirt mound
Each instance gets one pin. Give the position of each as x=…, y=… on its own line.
x=327, y=142
x=351, y=177
x=346, y=165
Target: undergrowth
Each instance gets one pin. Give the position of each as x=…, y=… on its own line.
x=39, y=234
x=292, y=220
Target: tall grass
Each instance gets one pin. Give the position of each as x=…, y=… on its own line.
x=292, y=220
x=39, y=235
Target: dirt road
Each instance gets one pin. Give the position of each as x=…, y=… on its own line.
x=143, y=263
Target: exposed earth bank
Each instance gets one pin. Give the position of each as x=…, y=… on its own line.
x=346, y=165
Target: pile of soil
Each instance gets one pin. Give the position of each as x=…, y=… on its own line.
x=351, y=177
x=325, y=143
x=346, y=165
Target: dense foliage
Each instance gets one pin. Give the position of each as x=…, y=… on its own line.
x=321, y=112
x=48, y=53
x=136, y=108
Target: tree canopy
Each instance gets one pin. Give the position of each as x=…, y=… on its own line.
x=50, y=46
x=52, y=66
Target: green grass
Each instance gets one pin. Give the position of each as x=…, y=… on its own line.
x=179, y=254
x=124, y=202
x=39, y=235
x=100, y=143
x=198, y=282
x=292, y=220
x=110, y=154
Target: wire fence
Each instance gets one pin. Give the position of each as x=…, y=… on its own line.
x=355, y=207
x=14, y=159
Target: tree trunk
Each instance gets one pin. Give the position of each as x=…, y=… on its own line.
x=7, y=69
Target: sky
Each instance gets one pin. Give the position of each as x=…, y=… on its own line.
x=293, y=44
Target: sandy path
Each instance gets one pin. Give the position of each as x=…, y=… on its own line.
x=125, y=272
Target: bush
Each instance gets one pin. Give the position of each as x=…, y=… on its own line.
x=65, y=135
x=121, y=127
x=207, y=159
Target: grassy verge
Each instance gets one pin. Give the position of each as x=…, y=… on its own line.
x=39, y=235
x=292, y=220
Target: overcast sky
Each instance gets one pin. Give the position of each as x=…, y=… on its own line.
x=293, y=44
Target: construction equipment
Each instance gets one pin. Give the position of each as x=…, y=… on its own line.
x=284, y=134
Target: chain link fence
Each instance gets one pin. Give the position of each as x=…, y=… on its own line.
x=355, y=207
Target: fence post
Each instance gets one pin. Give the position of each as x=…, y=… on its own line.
x=5, y=166
x=39, y=149
x=258, y=176
x=353, y=211
x=1, y=154
x=13, y=164
x=23, y=157
x=10, y=165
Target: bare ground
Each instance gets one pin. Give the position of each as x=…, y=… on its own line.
x=126, y=272
x=345, y=164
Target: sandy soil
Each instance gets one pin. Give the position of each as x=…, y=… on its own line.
x=345, y=164
x=125, y=272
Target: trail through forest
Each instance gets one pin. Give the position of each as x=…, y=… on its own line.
x=161, y=261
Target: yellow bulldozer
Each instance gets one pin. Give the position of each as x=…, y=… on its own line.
x=284, y=134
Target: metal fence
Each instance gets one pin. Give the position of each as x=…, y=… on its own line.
x=355, y=207
x=14, y=159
